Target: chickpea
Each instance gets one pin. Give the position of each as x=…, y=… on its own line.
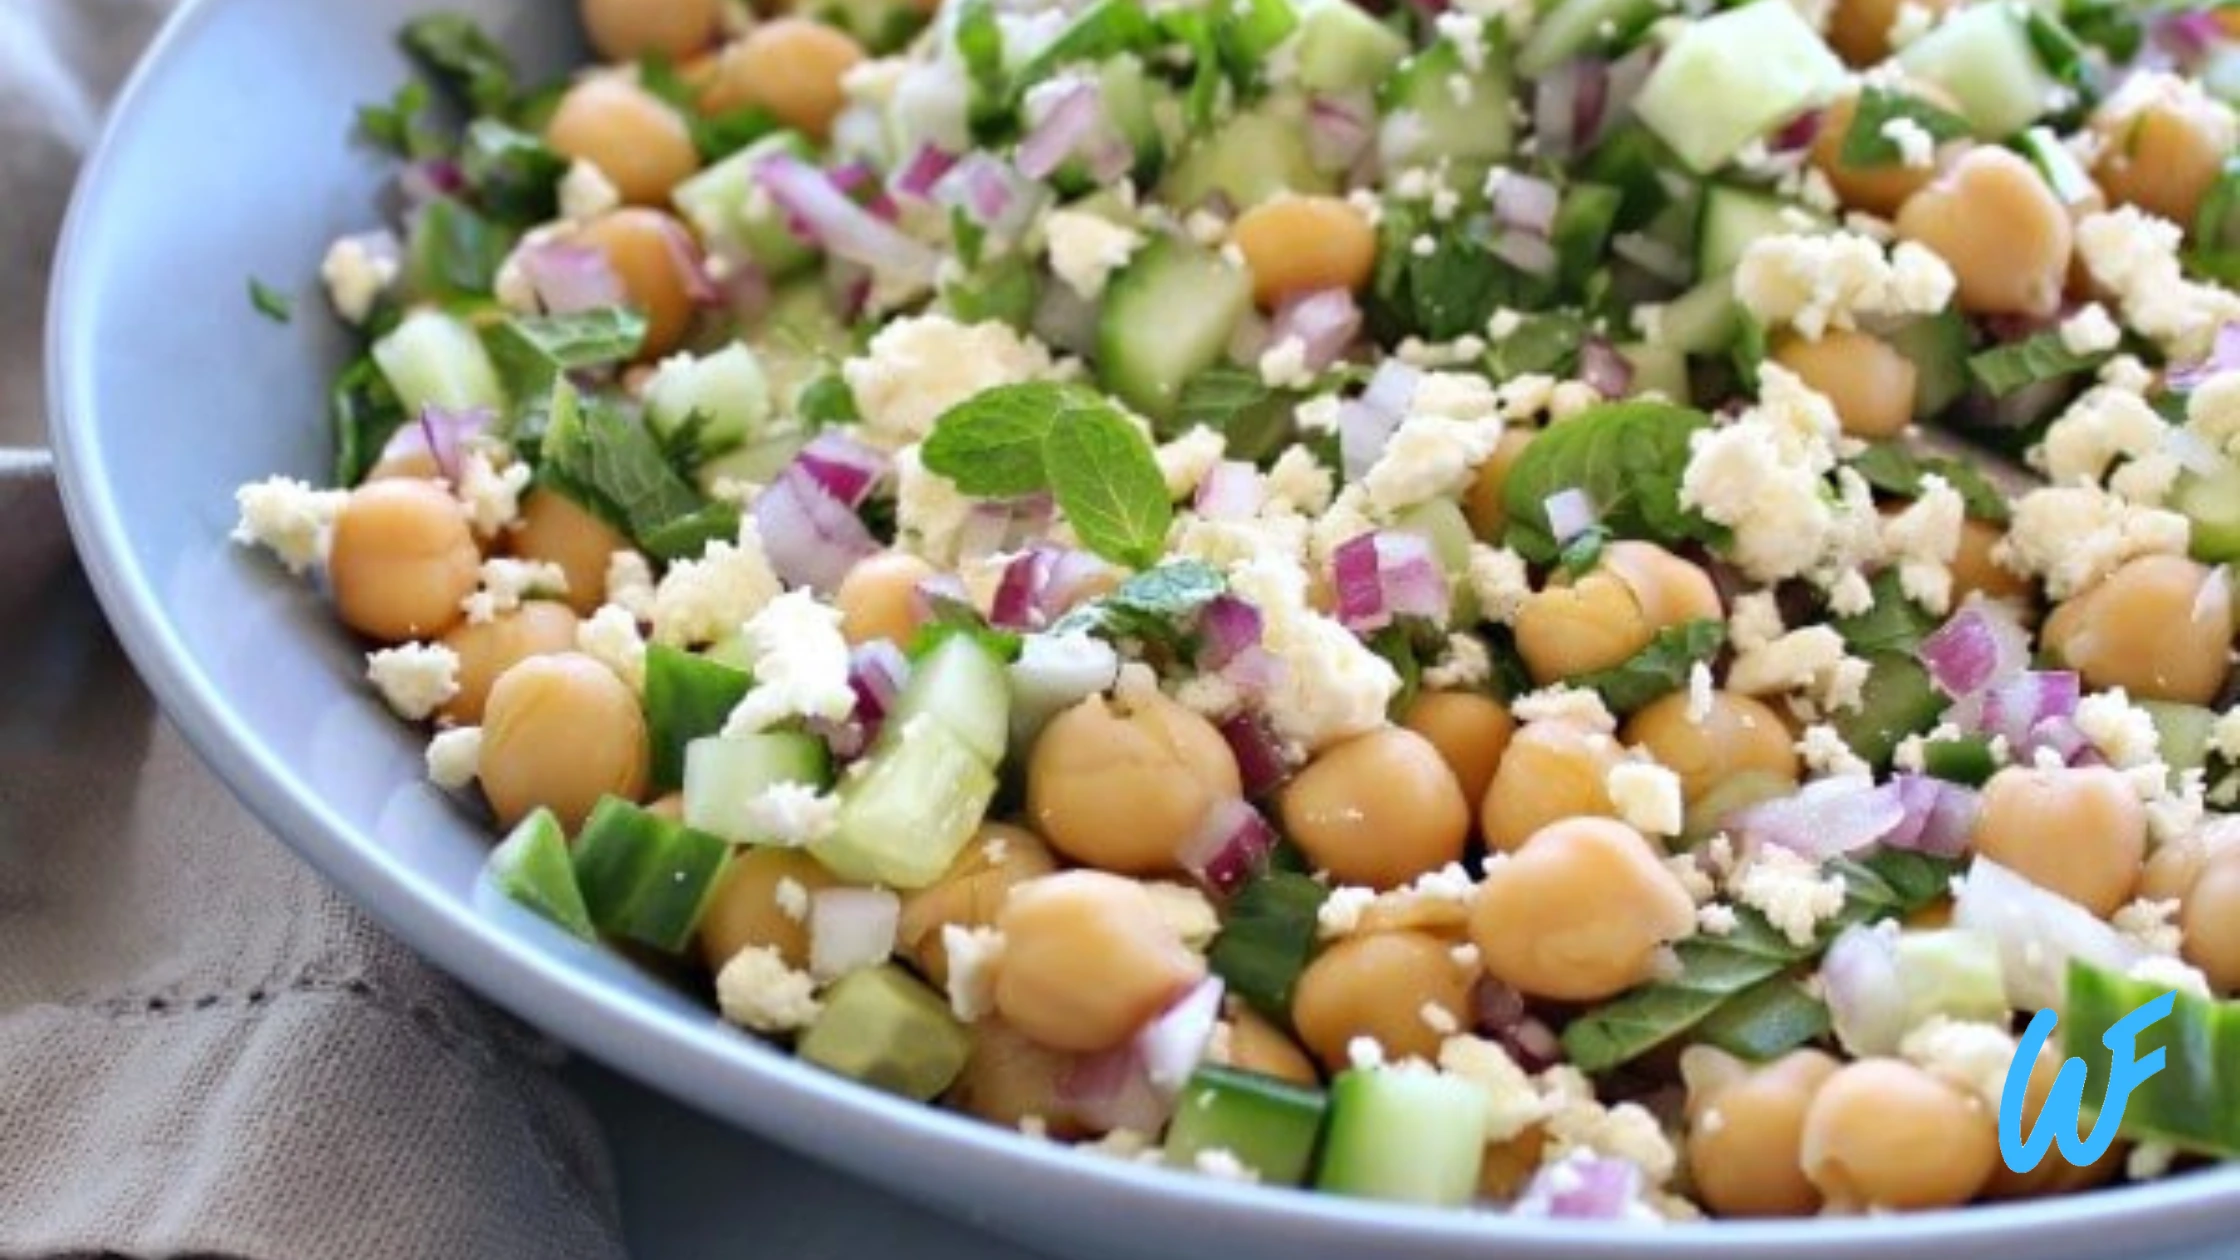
x=879, y=598
x=1882, y=1133
x=1087, y=960
x=969, y=894
x=625, y=30
x=2209, y=913
x=1739, y=735
x=791, y=67
x=1255, y=1045
x=1878, y=190
x=1121, y=784
x=1470, y=731
x=1580, y=912
x=2162, y=155
x=641, y=247
x=1380, y=985
x=403, y=559
x=1572, y=627
x=2053, y=1175
x=1551, y=771
x=746, y=909
x=2005, y=235
x=1670, y=590
x=1746, y=1130
x=2078, y=831
x=1868, y=382
x=563, y=731
x=417, y=463
x=1483, y=503
x=1298, y=245
x=1509, y=1165
x=1974, y=572
x=634, y=138
x=1859, y=30
x=491, y=648
x=555, y=530
x=1010, y=1077
x=2160, y=627
x=1378, y=809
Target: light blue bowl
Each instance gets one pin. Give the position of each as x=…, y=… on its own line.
x=226, y=160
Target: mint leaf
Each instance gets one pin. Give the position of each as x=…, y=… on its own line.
x=1266, y=939
x=1155, y=604
x=1893, y=624
x=1254, y=420
x=513, y=175
x=2002, y=370
x=454, y=253
x=395, y=126
x=826, y=401
x=1544, y=344
x=1658, y=669
x=364, y=412
x=1766, y=1021
x=531, y=350
x=991, y=444
x=951, y=617
x=270, y=302
x=1108, y=484
x=1865, y=145
x=1628, y=457
x=463, y=60
x=611, y=466
x=1893, y=469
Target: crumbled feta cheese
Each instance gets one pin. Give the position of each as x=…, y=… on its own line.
x=586, y=192
x=1916, y=147
x=1924, y=539
x=1283, y=365
x=1563, y=703
x=1647, y=796
x=2162, y=969
x=630, y=584
x=289, y=518
x=415, y=679
x=454, y=757
x=708, y=599
x=1763, y=475
x=792, y=899
x=1466, y=663
x=1222, y=1164
x=1331, y=684
x=2101, y=427
x=1700, y=693
x=1827, y=756
x=1578, y=1122
x=1513, y=1103
x=1438, y=1019
x=2149, y=924
x=1085, y=249
x=1209, y=695
x=1913, y=21
x=2213, y=412
x=610, y=636
x=2148, y=1160
x=1810, y=661
x=1970, y=1055
x=791, y=815
x=1716, y=919
x=975, y=954
x=1755, y=621
x=1340, y=912
x=2072, y=536
x=1298, y=481
x=757, y=990
x=2134, y=256
x=800, y=664
x=1429, y=456
x=355, y=276
x=491, y=493
x=1499, y=579
x=1696, y=881
x=2122, y=732
x=1185, y=912
x=930, y=512
x=1789, y=891
x=920, y=366
x=1364, y=1053
x=1814, y=282
x=505, y=582
x=2090, y=331
x=1185, y=461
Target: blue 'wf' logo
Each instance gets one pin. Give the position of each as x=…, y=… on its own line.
x=2058, y=1119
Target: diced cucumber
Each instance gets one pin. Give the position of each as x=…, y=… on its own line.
x=1965, y=760
x=961, y=685
x=1002, y=290
x=1341, y=48
x=1574, y=27
x=643, y=877
x=1732, y=77
x=1268, y=1125
x=687, y=696
x=1938, y=346
x=723, y=205
x=910, y=809
x=723, y=774
x=1707, y=814
x=1168, y=316
x=1255, y=156
x=1659, y=368
x=756, y=463
x=1733, y=218
x=2184, y=733
x=1404, y=1135
x=2064, y=174
x=1982, y=55
x=1128, y=94
x=889, y=1031
x=799, y=340
x=1703, y=320
x=1899, y=701
x=1437, y=108
x=531, y=866
x=1914, y=976
x=2190, y=1102
x=727, y=387
x=435, y=359
x=1267, y=939
x=2212, y=502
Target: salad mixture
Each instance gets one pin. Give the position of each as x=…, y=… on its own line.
x=1343, y=597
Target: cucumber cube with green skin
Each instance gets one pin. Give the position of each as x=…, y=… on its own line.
x=1983, y=57
x=889, y=1031
x=724, y=774
x=687, y=696
x=1966, y=760
x=1663, y=369
x=1899, y=701
x=1732, y=78
x=1573, y=27
x=961, y=685
x=1167, y=316
x=644, y=877
x=1704, y=320
x=2211, y=501
x=1438, y=108
x=432, y=358
x=2191, y=1102
x=726, y=387
x=1267, y=1125
x=723, y=205
x=2183, y=733
x=532, y=867
x=1405, y=1136
x=1256, y=156
x=1341, y=48
x=910, y=809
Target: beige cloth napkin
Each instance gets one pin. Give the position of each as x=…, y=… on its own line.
x=204, y=1050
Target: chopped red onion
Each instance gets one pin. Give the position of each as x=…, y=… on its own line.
x=2212, y=600
x=1530, y=254
x=2187, y=37
x=1174, y=1042
x=1939, y=818
x=1600, y=365
x=1323, y=322
x=1230, y=491
x=2060, y=736
x=1363, y=433
x=1229, y=847
x=1495, y=1007
x=877, y=671
x=845, y=229
x=812, y=539
x=2038, y=931
x=1866, y=996
x=843, y=467
x=995, y=525
x=692, y=269
x=1583, y=1187
x=1976, y=647
x=1075, y=114
x=569, y=277
x=1570, y=514
x=1387, y=574
x=1229, y=626
x=850, y=928
x=847, y=288
x=744, y=285
x=1525, y=203
x=1533, y=1045
x=936, y=594
x=1040, y=584
x=1826, y=818
x=2224, y=356
x=1134, y=1085
x=1797, y=133
x=1053, y=673
x=442, y=432
x=1653, y=256
x=2015, y=708
x=430, y=179
x=925, y=168
x=990, y=192
x=1340, y=127
x=1262, y=765
x=1391, y=388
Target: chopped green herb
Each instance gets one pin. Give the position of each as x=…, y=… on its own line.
x=515, y=178
x=454, y=253
x=991, y=444
x=952, y=617
x=1546, y=345
x=463, y=60
x=1255, y=421
x=1867, y=143
x=1107, y=483
x=1628, y=457
x=979, y=40
x=1658, y=669
x=715, y=136
x=1893, y=624
x=1154, y=606
x=609, y=463
x=531, y=350
x=1100, y=32
x=2057, y=47
x=2002, y=370
x=270, y=302
x=1766, y=1021
x=1266, y=940
x=364, y=413
x=1893, y=469
x=827, y=401
x=1398, y=647
x=396, y=127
